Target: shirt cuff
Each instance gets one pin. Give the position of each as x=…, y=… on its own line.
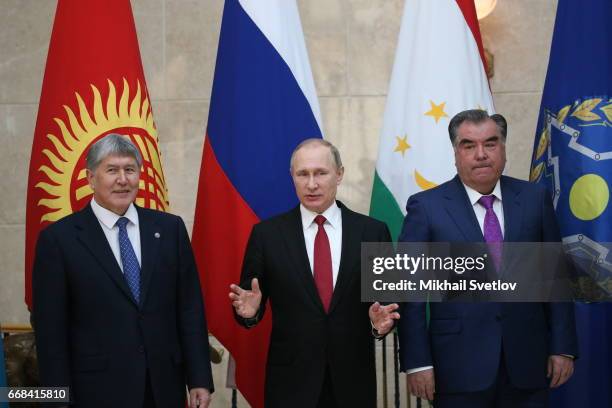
x=416, y=370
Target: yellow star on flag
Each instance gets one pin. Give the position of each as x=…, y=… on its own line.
x=402, y=145
x=437, y=111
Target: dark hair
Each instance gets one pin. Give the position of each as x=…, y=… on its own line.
x=315, y=140
x=476, y=116
x=112, y=144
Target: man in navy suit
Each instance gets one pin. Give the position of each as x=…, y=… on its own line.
x=118, y=311
x=484, y=354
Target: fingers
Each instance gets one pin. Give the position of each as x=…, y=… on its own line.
x=560, y=369
x=429, y=390
x=556, y=376
x=421, y=384
x=255, y=286
x=235, y=289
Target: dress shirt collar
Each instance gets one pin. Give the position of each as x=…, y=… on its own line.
x=474, y=195
x=109, y=218
x=332, y=215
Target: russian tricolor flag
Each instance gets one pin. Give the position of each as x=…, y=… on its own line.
x=263, y=104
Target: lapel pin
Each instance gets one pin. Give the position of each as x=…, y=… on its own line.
x=157, y=235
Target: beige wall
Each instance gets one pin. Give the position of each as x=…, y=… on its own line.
x=351, y=45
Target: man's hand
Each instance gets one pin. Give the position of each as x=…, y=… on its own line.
x=421, y=384
x=199, y=398
x=560, y=369
x=246, y=302
x=382, y=317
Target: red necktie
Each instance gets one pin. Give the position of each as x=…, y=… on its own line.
x=323, y=264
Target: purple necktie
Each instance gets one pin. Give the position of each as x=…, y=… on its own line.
x=492, y=230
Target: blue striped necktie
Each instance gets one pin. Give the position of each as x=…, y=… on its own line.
x=131, y=268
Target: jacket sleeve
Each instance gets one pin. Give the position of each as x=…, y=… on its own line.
x=193, y=330
x=253, y=266
x=414, y=348
x=51, y=314
x=561, y=315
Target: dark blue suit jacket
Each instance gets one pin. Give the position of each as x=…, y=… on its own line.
x=464, y=340
x=91, y=334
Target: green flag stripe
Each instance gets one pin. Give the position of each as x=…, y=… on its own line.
x=383, y=207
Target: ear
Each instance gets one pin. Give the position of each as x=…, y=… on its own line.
x=90, y=176
x=340, y=173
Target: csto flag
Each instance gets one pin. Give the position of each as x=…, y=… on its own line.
x=2, y=370
x=93, y=85
x=572, y=155
x=438, y=72
x=263, y=104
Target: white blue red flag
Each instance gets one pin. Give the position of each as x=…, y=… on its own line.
x=263, y=104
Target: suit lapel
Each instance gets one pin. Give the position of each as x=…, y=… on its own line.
x=150, y=238
x=93, y=238
x=460, y=210
x=351, y=249
x=293, y=234
x=513, y=214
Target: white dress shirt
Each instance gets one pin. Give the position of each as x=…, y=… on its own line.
x=108, y=219
x=480, y=212
x=333, y=228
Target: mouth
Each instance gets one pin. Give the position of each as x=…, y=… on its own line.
x=122, y=192
x=312, y=196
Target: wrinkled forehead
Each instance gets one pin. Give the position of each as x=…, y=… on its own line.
x=313, y=155
x=120, y=160
x=478, y=131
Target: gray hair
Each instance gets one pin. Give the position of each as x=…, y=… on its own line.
x=476, y=116
x=112, y=144
x=321, y=142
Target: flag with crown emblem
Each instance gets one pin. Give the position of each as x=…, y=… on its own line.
x=438, y=72
x=572, y=156
x=93, y=85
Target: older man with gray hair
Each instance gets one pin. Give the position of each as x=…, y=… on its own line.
x=117, y=303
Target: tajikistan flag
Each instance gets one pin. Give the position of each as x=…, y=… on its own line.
x=438, y=72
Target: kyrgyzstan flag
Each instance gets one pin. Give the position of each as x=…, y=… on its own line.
x=93, y=85
x=263, y=104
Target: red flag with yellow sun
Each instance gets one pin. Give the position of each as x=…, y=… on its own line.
x=93, y=85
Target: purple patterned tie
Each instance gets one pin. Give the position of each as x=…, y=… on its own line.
x=492, y=230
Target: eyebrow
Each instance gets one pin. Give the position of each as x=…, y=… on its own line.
x=490, y=139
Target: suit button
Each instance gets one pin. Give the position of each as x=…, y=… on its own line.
x=499, y=317
x=141, y=349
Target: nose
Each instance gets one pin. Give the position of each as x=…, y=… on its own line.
x=122, y=177
x=312, y=183
x=481, y=153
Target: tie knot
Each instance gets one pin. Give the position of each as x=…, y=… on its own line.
x=320, y=220
x=487, y=201
x=122, y=222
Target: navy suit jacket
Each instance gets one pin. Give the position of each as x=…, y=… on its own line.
x=91, y=334
x=465, y=342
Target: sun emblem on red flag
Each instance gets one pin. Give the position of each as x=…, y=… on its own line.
x=62, y=174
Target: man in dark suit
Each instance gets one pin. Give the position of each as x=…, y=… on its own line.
x=307, y=263
x=484, y=354
x=118, y=310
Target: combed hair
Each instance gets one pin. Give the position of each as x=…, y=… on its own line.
x=476, y=116
x=112, y=144
x=322, y=142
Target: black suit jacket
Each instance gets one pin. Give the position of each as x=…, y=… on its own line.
x=92, y=335
x=305, y=340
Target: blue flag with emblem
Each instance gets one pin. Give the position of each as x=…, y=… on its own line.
x=572, y=155
x=2, y=370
